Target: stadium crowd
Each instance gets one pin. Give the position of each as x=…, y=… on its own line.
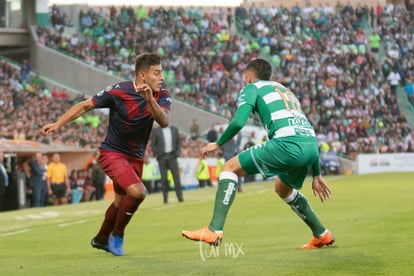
x=26, y=106
x=324, y=54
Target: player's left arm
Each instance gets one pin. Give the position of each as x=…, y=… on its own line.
x=316, y=167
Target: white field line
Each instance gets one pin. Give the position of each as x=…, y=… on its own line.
x=333, y=178
x=74, y=222
x=259, y=192
x=15, y=232
x=21, y=231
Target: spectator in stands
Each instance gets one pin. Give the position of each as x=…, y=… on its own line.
x=4, y=181
x=92, y=119
x=409, y=89
x=195, y=129
x=98, y=177
x=374, y=42
x=76, y=190
x=220, y=162
x=88, y=186
x=25, y=70
x=39, y=81
x=249, y=143
x=38, y=180
x=394, y=79
x=212, y=134
x=203, y=173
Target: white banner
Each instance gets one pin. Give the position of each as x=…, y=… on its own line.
x=385, y=162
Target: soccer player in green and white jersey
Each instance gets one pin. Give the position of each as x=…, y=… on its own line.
x=292, y=149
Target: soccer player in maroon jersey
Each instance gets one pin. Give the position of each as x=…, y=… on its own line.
x=133, y=105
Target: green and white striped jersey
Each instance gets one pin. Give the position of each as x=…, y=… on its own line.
x=278, y=109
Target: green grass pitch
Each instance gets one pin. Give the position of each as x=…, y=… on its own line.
x=372, y=217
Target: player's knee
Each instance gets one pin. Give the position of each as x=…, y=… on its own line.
x=226, y=167
x=139, y=194
x=281, y=189
x=233, y=168
x=277, y=190
x=137, y=191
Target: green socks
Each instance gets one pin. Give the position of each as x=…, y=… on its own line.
x=300, y=205
x=226, y=191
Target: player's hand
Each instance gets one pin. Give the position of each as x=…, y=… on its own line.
x=209, y=148
x=49, y=128
x=320, y=188
x=145, y=91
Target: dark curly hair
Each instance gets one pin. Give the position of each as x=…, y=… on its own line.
x=261, y=68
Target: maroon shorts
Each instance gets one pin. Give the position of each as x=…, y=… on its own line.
x=124, y=170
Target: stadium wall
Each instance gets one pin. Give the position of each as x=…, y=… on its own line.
x=347, y=166
x=14, y=37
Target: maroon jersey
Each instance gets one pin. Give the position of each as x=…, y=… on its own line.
x=130, y=119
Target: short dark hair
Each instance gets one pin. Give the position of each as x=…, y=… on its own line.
x=261, y=68
x=145, y=60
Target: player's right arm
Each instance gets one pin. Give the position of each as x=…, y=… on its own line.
x=74, y=112
x=160, y=115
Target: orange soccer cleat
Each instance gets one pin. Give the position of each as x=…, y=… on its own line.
x=327, y=239
x=205, y=235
